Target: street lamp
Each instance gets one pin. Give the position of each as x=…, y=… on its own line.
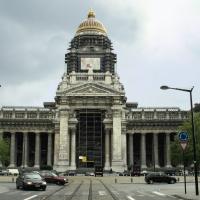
x=164, y=87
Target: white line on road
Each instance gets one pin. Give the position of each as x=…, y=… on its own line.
x=158, y=193
x=131, y=198
x=31, y=197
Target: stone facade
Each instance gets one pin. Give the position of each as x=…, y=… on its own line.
x=109, y=131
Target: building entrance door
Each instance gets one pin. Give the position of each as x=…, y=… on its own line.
x=90, y=138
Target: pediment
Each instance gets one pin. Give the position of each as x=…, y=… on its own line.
x=92, y=89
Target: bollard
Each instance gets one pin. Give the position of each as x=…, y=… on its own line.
x=115, y=180
x=13, y=180
x=131, y=180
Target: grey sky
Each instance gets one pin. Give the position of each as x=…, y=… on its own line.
x=157, y=42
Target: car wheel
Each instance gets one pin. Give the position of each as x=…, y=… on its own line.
x=58, y=183
x=151, y=181
x=172, y=181
x=17, y=186
x=44, y=188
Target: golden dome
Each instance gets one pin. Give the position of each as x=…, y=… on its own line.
x=91, y=25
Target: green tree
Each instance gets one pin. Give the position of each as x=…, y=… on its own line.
x=176, y=149
x=4, y=152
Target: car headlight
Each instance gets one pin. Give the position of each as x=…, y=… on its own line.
x=64, y=179
x=29, y=183
x=44, y=183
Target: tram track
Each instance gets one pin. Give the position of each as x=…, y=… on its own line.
x=109, y=191
x=47, y=197
x=77, y=192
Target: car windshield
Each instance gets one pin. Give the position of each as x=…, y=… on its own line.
x=54, y=175
x=33, y=176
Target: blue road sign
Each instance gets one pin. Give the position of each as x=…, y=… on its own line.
x=183, y=136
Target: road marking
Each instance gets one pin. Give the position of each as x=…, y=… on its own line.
x=158, y=193
x=131, y=198
x=102, y=193
x=115, y=192
x=31, y=197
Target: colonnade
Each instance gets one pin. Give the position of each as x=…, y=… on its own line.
x=25, y=149
x=155, y=149
x=127, y=149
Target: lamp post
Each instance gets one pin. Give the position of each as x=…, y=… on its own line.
x=164, y=87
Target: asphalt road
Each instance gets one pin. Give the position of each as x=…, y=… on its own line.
x=96, y=188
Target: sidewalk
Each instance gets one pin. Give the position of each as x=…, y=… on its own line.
x=8, y=179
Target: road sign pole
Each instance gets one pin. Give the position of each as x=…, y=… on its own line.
x=184, y=171
x=183, y=138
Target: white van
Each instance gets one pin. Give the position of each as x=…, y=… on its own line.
x=14, y=172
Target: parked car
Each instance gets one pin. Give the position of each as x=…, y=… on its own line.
x=98, y=171
x=70, y=173
x=125, y=173
x=14, y=172
x=144, y=172
x=89, y=174
x=135, y=170
x=135, y=173
x=30, y=181
x=4, y=172
x=159, y=177
x=170, y=172
x=50, y=177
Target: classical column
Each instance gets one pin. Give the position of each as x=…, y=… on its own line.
x=130, y=149
x=63, y=156
x=56, y=149
x=25, y=150
x=155, y=151
x=107, y=152
x=37, y=150
x=73, y=148
x=124, y=149
x=12, y=150
x=117, y=162
x=1, y=138
x=111, y=144
x=167, y=149
x=49, y=150
x=143, y=151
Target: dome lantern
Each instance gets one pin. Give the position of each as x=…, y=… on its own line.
x=91, y=14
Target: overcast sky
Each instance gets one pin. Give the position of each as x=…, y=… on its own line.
x=157, y=43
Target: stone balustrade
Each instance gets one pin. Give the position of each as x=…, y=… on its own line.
x=26, y=113
x=87, y=76
x=157, y=114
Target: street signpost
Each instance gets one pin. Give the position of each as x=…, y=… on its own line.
x=183, y=139
x=183, y=136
